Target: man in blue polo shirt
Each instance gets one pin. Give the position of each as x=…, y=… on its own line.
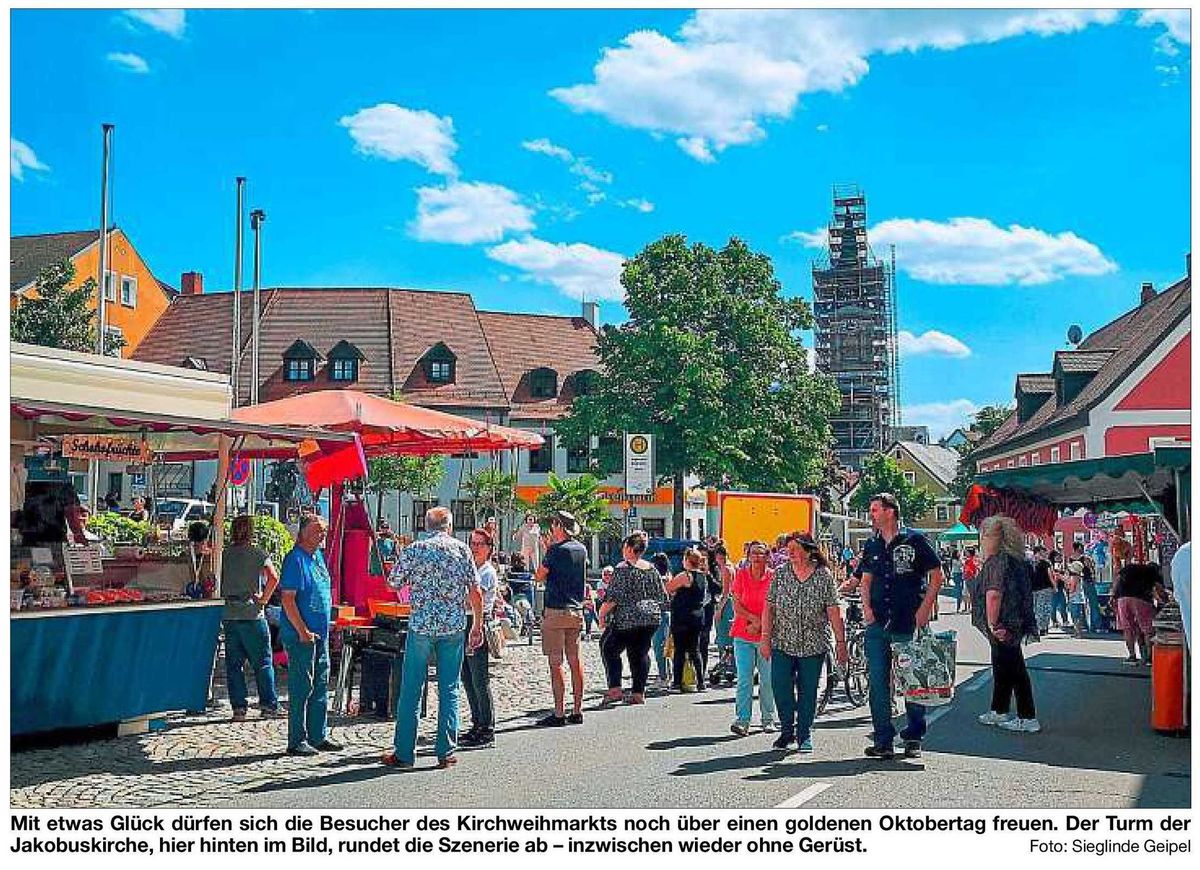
x=901, y=576
x=305, y=589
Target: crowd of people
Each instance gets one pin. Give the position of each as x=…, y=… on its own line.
x=775, y=611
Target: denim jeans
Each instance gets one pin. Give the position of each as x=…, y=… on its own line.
x=1058, y=606
x=879, y=674
x=249, y=640
x=447, y=651
x=477, y=682
x=659, y=645
x=308, y=692
x=794, y=680
x=1096, y=620
x=746, y=658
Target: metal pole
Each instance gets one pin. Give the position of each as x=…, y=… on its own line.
x=235, y=358
x=257, y=216
x=93, y=465
x=100, y=306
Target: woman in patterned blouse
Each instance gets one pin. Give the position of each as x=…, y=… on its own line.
x=629, y=617
x=801, y=603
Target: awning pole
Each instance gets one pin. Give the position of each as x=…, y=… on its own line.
x=1157, y=509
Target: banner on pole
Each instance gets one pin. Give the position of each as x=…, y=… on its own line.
x=639, y=464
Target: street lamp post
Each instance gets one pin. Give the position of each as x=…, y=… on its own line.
x=257, y=217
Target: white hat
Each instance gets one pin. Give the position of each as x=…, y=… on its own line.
x=1075, y=568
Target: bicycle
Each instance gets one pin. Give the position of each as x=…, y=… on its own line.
x=853, y=677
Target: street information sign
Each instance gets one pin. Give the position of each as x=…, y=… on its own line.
x=639, y=464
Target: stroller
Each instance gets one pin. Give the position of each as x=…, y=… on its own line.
x=725, y=670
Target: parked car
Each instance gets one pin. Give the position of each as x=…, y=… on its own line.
x=174, y=515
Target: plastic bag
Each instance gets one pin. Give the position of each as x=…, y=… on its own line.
x=924, y=667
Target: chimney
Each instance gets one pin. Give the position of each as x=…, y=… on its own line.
x=191, y=284
x=1147, y=292
x=591, y=313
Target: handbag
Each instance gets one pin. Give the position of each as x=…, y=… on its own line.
x=924, y=667
x=493, y=633
x=669, y=647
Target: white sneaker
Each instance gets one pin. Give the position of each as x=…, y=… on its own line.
x=1026, y=726
x=991, y=717
x=769, y=727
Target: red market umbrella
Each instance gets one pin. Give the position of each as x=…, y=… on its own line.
x=387, y=427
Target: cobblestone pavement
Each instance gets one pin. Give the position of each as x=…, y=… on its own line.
x=201, y=760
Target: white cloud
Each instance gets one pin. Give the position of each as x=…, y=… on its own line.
x=581, y=166
x=975, y=251
x=133, y=63
x=172, y=22
x=645, y=206
x=728, y=72
x=467, y=213
x=942, y=418
x=1178, y=28
x=931, y=342
x=22, y=157
x=822, y=128
x=578, y=270
x=395, y=133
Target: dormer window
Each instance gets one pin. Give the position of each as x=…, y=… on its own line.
x=300, y=370
x=300, y=361
x=439, y=364
x=343, y=362
x=543, y=383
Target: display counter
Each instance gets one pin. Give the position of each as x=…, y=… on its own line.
x=85, y=666
x=103, y=634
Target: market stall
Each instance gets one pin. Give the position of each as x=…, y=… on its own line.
x=109, y=630
x=385, y=428
x=1159, y=480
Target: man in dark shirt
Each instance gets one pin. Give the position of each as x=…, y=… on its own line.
x=564, y=571
x=901, y=576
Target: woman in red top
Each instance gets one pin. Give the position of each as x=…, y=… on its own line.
x=749, y=594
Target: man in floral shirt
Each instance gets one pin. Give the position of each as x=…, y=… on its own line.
x=441, y=575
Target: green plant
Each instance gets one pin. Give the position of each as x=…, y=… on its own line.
x=118, y=529
x=269, y=535
x=493, y=493
x=581, y=497
x=59, y=315
x=881, y=473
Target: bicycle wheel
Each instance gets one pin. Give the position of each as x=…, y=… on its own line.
x=856, y=679
x=826, y=682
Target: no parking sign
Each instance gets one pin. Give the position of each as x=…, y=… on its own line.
x=239, y=471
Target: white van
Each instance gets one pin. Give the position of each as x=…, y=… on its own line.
x=176, y=514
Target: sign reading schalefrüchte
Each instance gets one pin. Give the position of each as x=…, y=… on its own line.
x=639, y=464
x=106, y=448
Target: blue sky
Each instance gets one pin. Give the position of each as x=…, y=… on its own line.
x=1031, y=168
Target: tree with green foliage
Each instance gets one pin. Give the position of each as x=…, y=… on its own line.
x=986, y=421
x=881, y=473
x=417, y=475
x=59, y=315
x=581, y=497
x=711, y=363
x=493, y=493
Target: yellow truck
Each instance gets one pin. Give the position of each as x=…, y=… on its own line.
x=762, y=516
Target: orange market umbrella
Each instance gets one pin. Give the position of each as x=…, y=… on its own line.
x=386, y=427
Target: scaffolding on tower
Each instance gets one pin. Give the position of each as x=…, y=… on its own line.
x=854, y=307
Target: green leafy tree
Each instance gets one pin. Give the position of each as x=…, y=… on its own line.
x=417, y=475
x=60, y=315
x=269, y=535
x=710, y=361
x=493, y=493
x=881, y=473
x=986, y=421
x=581, y=497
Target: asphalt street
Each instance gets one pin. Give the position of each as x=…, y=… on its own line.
x=676, y=751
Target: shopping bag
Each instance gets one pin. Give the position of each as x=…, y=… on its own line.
x=689, y=677
x=924, y=667
x=669, y=647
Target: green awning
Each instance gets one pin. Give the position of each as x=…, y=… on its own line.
x=959, y=532
x=1097, y=482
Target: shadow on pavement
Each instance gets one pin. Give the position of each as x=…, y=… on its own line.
x=799, y=769
x=1095, y=715
x=691, y=742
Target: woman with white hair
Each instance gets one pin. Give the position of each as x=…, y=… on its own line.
x=1002, y=608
